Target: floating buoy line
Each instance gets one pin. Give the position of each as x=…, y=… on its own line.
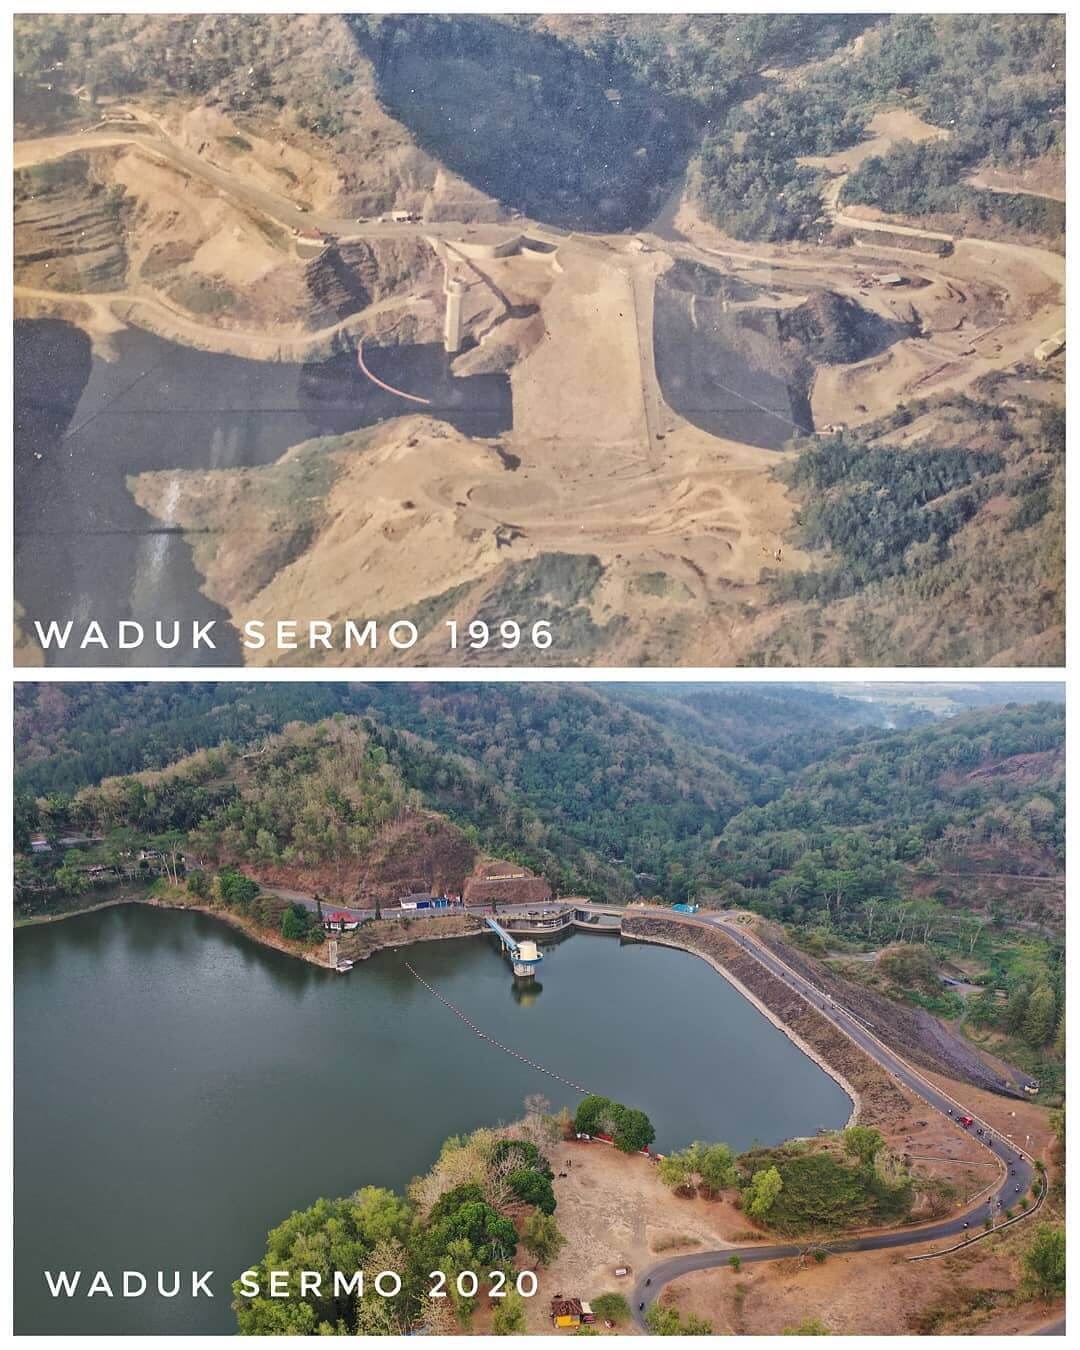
x=514, y=1054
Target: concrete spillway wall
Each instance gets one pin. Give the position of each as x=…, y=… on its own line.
x=489, y=244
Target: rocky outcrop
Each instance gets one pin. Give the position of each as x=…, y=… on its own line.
x=349, y=277
x=506, y=883
x=423, y=852
x=835, y=329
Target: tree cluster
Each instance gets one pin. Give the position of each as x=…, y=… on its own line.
x=630, y=1130
x=455, y=1219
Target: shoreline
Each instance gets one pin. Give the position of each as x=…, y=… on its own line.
x=236, y=922
x=36, y=920
x=262, y=936
x=264, y=939
x=101, y=316
x=392, y=946
x=159, y=902
x=792, y=1035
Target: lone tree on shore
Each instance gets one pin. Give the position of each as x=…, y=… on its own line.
x=630, y=1130
x=708, y=1167
x=761, y=1194
x=863, y=1142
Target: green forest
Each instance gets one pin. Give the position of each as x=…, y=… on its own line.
x=586, y=122
x=459, y=1217
x=927, y=180
x=939, y=839
x=923, y=527
x=623, y=776
x=750, y=181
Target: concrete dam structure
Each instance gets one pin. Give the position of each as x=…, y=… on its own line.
x=524, y=956
x=452, y=331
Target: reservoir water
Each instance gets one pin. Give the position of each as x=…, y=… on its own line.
x=84, y=550
x=720, y=359
x=179, y=1090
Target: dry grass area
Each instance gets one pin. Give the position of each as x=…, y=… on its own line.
x=615, y=1211
x=885, y=128
x=935, y=1150
x=1011, y=1118
x=1042, y=177
x=864, y=1293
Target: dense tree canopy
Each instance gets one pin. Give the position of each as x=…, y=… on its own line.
x=750, y=179
x=794, y=803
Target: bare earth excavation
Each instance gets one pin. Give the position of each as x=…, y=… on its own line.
x=658, y=486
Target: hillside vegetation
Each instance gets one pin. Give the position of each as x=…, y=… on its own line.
x=621, y=777
x=904, y=857
x=486, y=1205
x=751, y=181
x=943, y=522
x=583, y=120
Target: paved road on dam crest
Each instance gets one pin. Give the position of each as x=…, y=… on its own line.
x=1018, y=1170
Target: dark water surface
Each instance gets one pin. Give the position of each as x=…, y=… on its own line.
x=84, y=550
x=721, y=367
x=179, y=1089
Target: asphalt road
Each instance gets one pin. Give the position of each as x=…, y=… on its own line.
x=390, y=911
x=1017, y=1174
x=1018, y=1171
x=1055, y=1328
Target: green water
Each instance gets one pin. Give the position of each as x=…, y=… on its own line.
x=179, y=1089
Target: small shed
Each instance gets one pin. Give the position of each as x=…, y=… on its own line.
x=566, y=1312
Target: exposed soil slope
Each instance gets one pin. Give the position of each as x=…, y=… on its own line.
x=915, y=1033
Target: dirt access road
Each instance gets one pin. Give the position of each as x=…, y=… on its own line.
x=681, y=521
x=152, y=140
x=1010, y=263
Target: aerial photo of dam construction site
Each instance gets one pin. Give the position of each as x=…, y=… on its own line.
x=546, y=339
x=617, y=1008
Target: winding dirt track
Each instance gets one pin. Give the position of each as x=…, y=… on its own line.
x=607, y=467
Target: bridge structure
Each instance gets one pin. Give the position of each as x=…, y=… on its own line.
x=524, y=956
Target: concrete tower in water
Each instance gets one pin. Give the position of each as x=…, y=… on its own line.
x=455, y=292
